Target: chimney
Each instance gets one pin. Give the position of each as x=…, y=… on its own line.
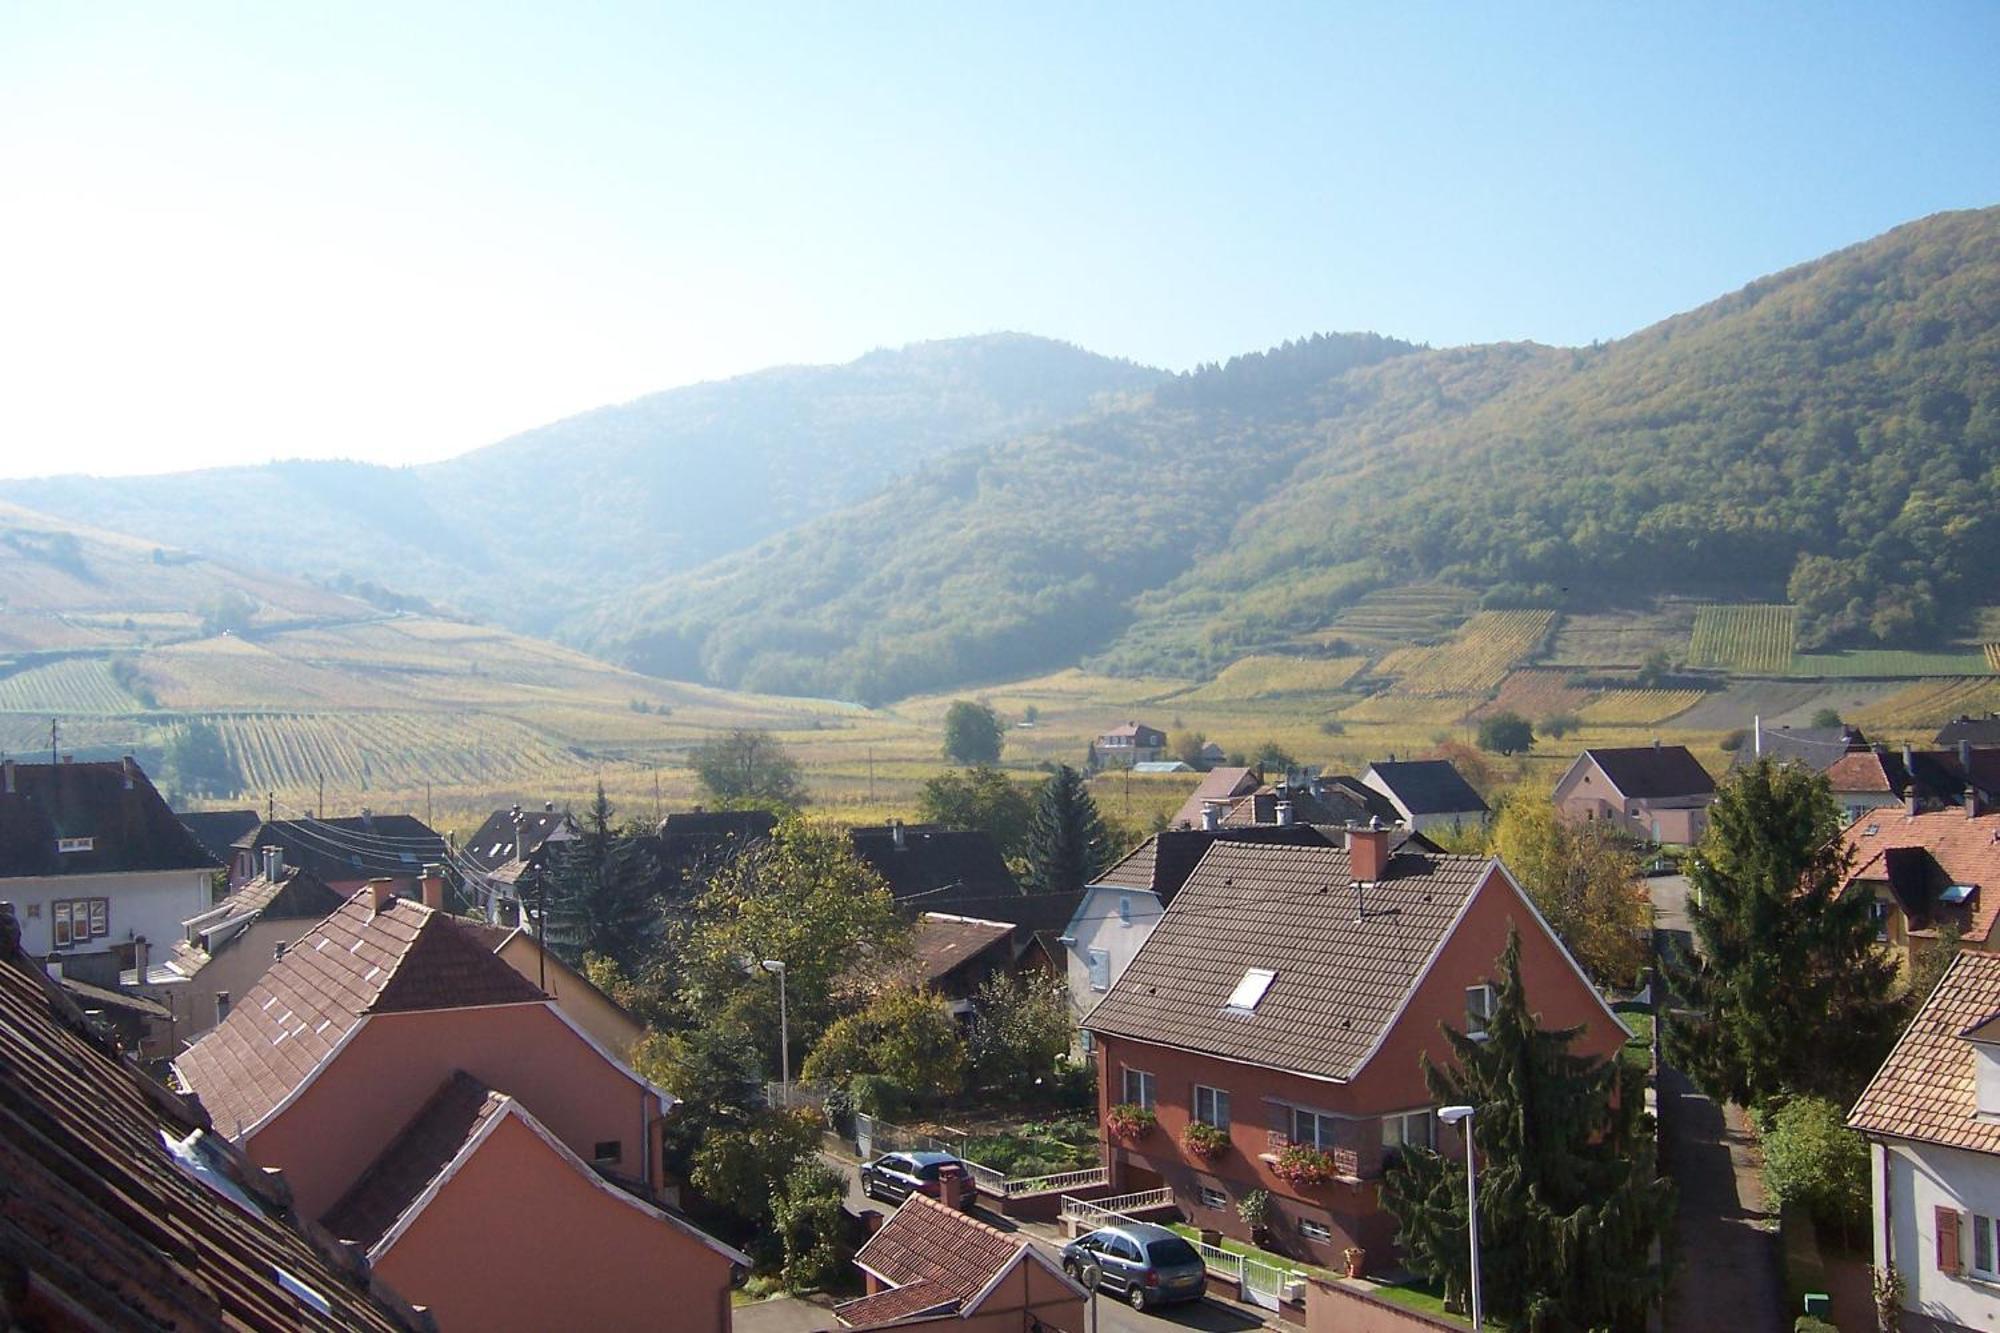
x=1656, y=742
x=1965, y=754
x=548, y=807
x=1211, y=815
x=142, y=959
x=274, y=863
x=381, y=892
x=278, y=952
x=1910, y=800
x=433, y=885
x=1909, y=759
x=1971, y=802
x=1368, y=851
x=8, y=766
x=896, y=832
x=1282, y=812
x=131, y=767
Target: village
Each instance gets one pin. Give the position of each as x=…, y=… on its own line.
x=985, y=1068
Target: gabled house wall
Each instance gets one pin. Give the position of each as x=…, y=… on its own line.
x=1921, y=1178
x=141, y=904
x=1586, y=793
x=1111, y=921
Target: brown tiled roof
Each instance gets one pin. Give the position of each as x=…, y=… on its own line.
x=355, y=962
x=940, y=943
x=130, y=828
x=296, y=895
x=1134, y=870
x=96, y=1209
x=1340, y=977
x=1958, y=849
x=1163, y=862
x=1218, y=784
x=1925, y=1089
x=1866, y=770
x=461, y=1106
x=936, y=1257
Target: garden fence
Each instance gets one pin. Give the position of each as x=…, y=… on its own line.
x=874, y=1135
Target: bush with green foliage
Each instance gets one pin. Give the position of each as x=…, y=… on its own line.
x=1020, y=1030
x=807, y=1215
x=973, y=734
x=743, y=1171
x=1812, y=1159
x=1506, y=733
x=1558, y=725
x=905, y=1035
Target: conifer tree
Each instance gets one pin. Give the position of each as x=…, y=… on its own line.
x=1067, y=842
x=1569, y=1200
x=1791, y=993
x=603, y=893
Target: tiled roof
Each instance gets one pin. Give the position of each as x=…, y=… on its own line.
x=424, y=1147
x=1950, y=849
x=296, y=895
x=1340, y=976
x=355, y=962
x=1866, y=770
x=1163, y=862
x=1640, y=772
x=1814, y=747
x=941, y=943
x=1926, y=1088
x=959, y=871
x=128, y=826
x=1428, y=786
x=1974, y=730
x=352, y=847
x=98, y=1209
x=492, y=844
x=1327, y=803
x=1218, y=784
x=936, y=1257
x=215, y=830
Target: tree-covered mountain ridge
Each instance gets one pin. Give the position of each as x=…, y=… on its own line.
x=1828, y=435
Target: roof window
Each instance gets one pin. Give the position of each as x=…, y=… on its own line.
x=1871, y=830
x=1958, y=893
x=1250, y=990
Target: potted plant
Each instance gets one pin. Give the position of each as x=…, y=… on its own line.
x=1128, y=1120
x=1255, y=1210
x=1301, y=1164
x=1204, y=1140
x=1357, y=1260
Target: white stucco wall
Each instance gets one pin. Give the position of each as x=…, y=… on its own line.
x=1099, y=924
x=148, y=903
x=1920, y=1178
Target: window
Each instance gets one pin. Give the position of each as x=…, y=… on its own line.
x=607, y=1151
x=1878, y=912
x=1139, y=1088
x=1250, y=990
x=1312, y=1230
x=1983, y=1260
x=1314, y=1129
x=1212, y=1198
x=1100, y=970
x=1478, y=1010
x=1410, y=1129
x=79, y=920
x=1211, y=1106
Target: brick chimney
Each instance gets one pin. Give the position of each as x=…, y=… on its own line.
x=381, y=892
x=896, y=833
x=1368, y=852
x=433, y=887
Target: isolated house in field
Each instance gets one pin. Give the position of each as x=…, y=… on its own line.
x=345, y=852
x=1132, y=743
x=1657, y=793
x=123, y=1209
x=1926, y=870
x=933, y=1267
x=1427, y=794
x=1932, y=1118
x=1285, y=998
x=440, y=1110
x=96, y=865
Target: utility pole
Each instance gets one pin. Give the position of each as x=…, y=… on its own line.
x=871, y=775
x=656, y=794
x=321, y=812
x=270, y=806
x=427, y=802
x=53, y=726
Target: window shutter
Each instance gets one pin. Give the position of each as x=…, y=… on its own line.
x=1947, y=1240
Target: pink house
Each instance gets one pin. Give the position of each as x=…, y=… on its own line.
x=1656, y=793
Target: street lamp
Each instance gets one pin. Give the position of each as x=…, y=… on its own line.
x=776, y=967
x=1453, y=1115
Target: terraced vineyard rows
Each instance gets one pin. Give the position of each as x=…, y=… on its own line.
x=1413, y=709
x=1929, y=703
x=1891, y=662
x=1757, y=639
x=1536, y=694
x=1413, y=611
x=362, y=751
x=1267, y=676
x=1472, y=661
x=84, y=685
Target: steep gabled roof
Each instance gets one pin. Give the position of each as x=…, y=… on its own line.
x=354, y=963
x=1813, y=747
x=296, y=895
x=1927, y=1088
x=1918, y=854
x=1163, y=862
x=1340, y=976
x=109, y=814
x=215, y=830
x=349, y=848
x=941, y=943
x=1428, y=786
x=493, y=844
x=118, y=1227
x=1655, y=772
x=1218, y=784
x=961, y=872
x=1972, y=730
x=936, y=1260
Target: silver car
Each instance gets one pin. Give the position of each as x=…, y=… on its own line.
x=1146, y=1264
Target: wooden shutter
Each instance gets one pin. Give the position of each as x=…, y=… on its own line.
x=1947, y=1240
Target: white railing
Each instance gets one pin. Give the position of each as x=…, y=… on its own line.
x=1061, y=1180
x=1221, y=1261
x=1111, y=1211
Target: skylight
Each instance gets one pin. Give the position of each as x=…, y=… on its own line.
x=1250, y=990
x=1958, y=893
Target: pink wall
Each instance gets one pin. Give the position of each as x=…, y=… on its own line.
x=1029, y=1291
x=518, y=1239
x=1333, y=1308
x=383, y=1077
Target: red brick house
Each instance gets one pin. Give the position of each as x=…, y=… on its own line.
x=1286, y=997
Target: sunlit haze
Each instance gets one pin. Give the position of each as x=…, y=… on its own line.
x=396, y=232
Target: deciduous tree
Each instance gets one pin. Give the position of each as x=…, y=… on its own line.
x=1586, y=881
x=984, y=799
x=905, y=1035
x=1506, y=733
x=1020, y=1029
x=749, y=768
x=972, y=733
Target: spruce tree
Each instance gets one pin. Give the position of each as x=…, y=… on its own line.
x=1569, y=1199
x=603, y=893
x=1790, y=992
x=1067, y=842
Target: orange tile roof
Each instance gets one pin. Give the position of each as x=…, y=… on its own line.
x=356, y=962
x=453, y=1116
x=1966, y=850
x=1925, y=1089
x=934, y=1257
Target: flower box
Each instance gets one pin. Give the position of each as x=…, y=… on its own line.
x=1303, y=1165
x=1204, y=1140
x=1129, y=1121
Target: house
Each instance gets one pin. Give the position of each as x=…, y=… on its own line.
x=1218, y=785
x=954, y=955
x=1427, y=794
x=96, y=865
x=929, y=868
x=1657, y=793
x=1875, y=778
x=1301, y=799
x=124, y=1209
x=1927, y=869
x=1120, y=908
x=602, y=1018
x=932, y=1267
x=1932, y=1118
x=1133, y=743
x=1286, y=997
x=690, y=841
x=1812, y=747
x=1971, y=730
x=374, y=1064
x=224, y=950
x=1211, y=754
x=506, y=848
x=345, y=852
x=217, y=830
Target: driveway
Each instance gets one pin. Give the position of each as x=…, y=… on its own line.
x=1729, y=1275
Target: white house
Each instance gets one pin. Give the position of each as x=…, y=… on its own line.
x=94, y=862
x=1427, y=794
x=1932, y=1118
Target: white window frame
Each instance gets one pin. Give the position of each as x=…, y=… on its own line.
x=1312, y=1230
x=1985, y=1227
x=1216, y=1112
x=1098, y=961
x=1396, y=1129
x=1325, y=1128
x=1479, y=1017
x=1147, y=1088
x=1211, y=1198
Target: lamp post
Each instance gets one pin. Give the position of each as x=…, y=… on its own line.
x=776, y=967
x=1454, y=1115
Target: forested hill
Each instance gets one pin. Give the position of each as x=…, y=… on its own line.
x=523, y=531
x=1828, y=435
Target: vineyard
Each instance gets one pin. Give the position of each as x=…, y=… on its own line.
x=1890, y=663
x=1638, y=708
x=1930, y=703
x=1431, y=709
x=1757, y=640
x=65, y=688
x=1474, y=660
x=358, y=752
x=1400, y=615
x=1536, y=694
x=1266, y=676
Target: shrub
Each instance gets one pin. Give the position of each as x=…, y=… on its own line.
x=1129, y=1121
x=872, y=1094
x=807, y=1215
x=1254, y=1208
x=1506, y=733
x=1558, y=725
x=1204, y=1140
x=1812, y=1159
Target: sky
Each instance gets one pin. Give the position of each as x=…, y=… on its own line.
x=396, y=232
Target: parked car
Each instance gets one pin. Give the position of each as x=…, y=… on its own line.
x=895, y=1176
x=1145, y=1264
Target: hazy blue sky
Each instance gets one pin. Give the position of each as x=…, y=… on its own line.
x=398, y=231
